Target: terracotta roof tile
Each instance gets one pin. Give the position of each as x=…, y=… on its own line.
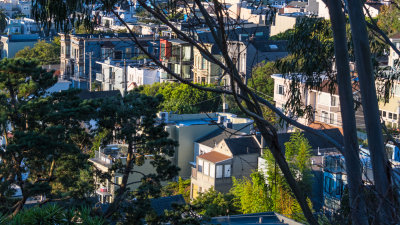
x=214, y=157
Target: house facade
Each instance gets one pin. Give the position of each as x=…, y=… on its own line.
x=79, y=52
x=176, y=55
x=187, y=128
x=103, y=161
x=236, y=157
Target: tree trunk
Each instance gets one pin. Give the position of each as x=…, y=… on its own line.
x=351, y=149
x=379, y=161
x=123, y=186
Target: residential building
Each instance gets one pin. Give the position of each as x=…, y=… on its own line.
x=204, y=71
x=103, y=161
x=125, y=75
x=79, y=52
x=284, y=22
x=319, y=148
x=393, y=56
x=231, y=157
x=324, y=102
x=176, y=55
x=293, y=7
x=13, y=43
x=320, y=9
x=207, y=143
x=139, y=75
x=187, y=128
x=248, y=12
x=22, y=26
x=246, y=54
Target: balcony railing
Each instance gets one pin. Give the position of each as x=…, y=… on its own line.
x=103, y=158
x=99, y=77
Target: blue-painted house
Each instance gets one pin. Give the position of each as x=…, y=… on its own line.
x=79, y=52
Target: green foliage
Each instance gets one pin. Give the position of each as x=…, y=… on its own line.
x=175, y=188
x=3, y=21
x=132, y=119
x=261, y=79
x=45, y=53
x=283, y=35
x=42, y=132
x=297, y=154
x=388, y=18
x=213, y=203
x=53, y=214
x=182, y=98
x=252, y=196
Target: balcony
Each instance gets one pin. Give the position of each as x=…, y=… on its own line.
x=194, y=173
x=105, y=160
x=99, y=77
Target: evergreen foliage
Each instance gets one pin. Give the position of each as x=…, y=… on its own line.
x=182, y=98
x=45, y=53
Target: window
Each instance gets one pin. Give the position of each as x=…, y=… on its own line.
x=394, y=116
x=200, y=165
x=206, y=168
x=128, y=53
x=281, y=90
x=118, y=54
x=118, y=180
x=390, y=115
x=380, y=112
x=212, y=170
x=332, y=118
x=203, y=63
x=227, y=172
x=339, y=187
x=383, y=113
x=325, y=117
x=396, y=89
x=219, y=171
x=333, y=101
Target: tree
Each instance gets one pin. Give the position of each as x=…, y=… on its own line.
x=213, y=203
x=182, y=187
x=220, y=32
x=261, y=79
x=388, y=18
x=298, y=155
x=45, y=53
x=252, y=196
x=132, y=119
x=182, y=98
x=40, y=157
x=53, y=214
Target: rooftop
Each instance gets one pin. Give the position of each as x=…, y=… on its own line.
x=217, y=136
x=214, y=157
x=243, y=145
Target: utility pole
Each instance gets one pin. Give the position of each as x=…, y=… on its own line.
x=125, y=78
x=90, y=71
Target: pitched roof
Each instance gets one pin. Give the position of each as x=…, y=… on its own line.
x=165, y=203
x=315, y=141
x=217, y=136
x=243, y=145
x=395, y=36
x=214, y=157
x=324, y=126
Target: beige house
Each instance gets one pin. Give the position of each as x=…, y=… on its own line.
x=232, y=157
x=390, y=111
x=283, y=22
x=326, y=105
x=204, y=71
x=103, y=161
x=187, y=128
